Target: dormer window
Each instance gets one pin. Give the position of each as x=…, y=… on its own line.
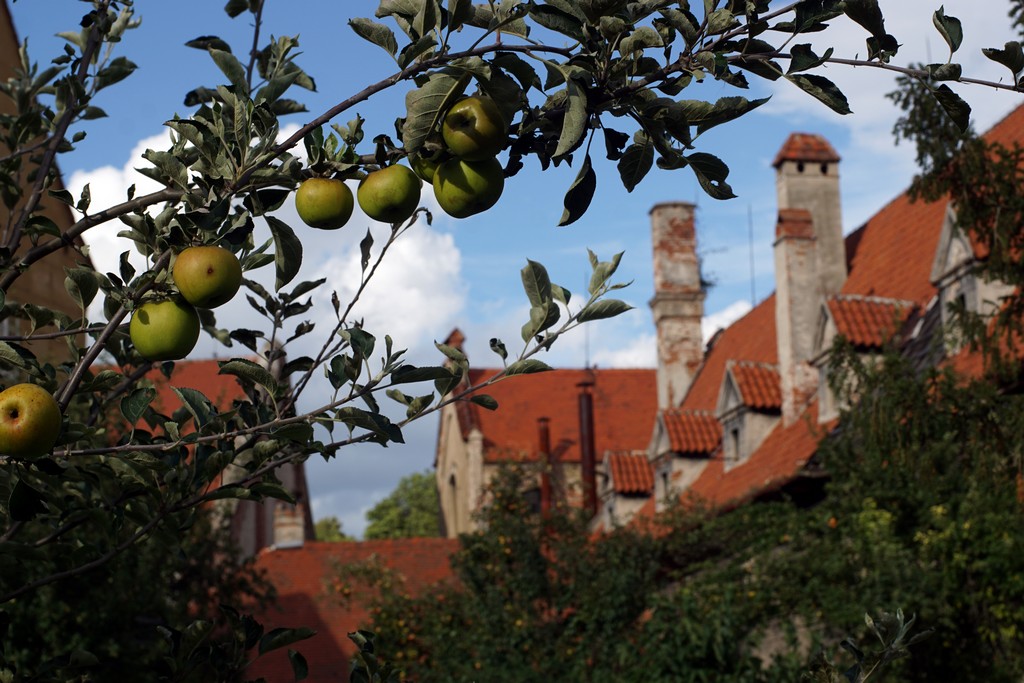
x=749, y=405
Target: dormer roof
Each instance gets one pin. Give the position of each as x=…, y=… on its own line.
x=693, y=432
x=631, y=473
x=757, y=385
x=868, y=322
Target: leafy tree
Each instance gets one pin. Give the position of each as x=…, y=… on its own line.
x=125, y=475
x=412, y=509
x=329, y=529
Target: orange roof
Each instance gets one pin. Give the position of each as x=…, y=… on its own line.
x=780, y=458
x=200, y=375
x=625, y=405
x=805, y=147
x=631, y=473
x=891, y=255
x=868, y=322
x=758, y=384
x=692, y=431
x=305, y=597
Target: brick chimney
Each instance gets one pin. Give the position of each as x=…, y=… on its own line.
x=678, y=303
x=288, y=525
x=810, y=259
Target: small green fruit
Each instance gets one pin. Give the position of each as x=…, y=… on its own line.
x=324, y=203
x=464, y=188
x=207, y=276
x=474, y=129
x=164, y=330
x=389, y=195
x=29, y=421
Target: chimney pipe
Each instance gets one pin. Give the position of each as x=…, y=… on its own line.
x=544, y=448
x=678, y=303
x=588, y=463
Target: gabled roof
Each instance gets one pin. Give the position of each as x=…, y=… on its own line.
x=757, y=383
x=304, y=578
x=631, y=473
x=625, y=406
x=695, y=432
x=868, y=322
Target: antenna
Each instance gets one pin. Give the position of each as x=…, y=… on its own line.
x=750, y=237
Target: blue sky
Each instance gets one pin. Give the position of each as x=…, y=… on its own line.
x=466, y=273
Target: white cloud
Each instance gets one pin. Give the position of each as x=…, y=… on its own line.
x=108, y=186
x=723, y=318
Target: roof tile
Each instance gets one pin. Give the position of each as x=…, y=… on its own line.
x=692, y=431
x=758, y=384
x=868, y=322
x=631, y=473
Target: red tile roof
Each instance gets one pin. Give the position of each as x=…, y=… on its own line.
x=692, y=431
x=794, y=223
x=200, y=375
x=303, y=577
x=805, y=147
x=891, y=255
x=780, y=458
x=868, y=322
x=758, y=384
x=625, y=406
x=631, y=473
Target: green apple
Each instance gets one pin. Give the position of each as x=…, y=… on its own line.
x=164, y=330
x=423, y=167
x=207, y=276
x=464, y=188
x=324, y=203
x=389, y=195
x=474, y=129
x=29, y=421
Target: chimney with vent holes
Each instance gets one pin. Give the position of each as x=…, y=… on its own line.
x=678, y=303
x=810, y=259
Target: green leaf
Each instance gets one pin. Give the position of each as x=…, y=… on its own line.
x=427, y=104
x=823, y=90
x=527, y=366
x=581, y=193
x=606, y=308
x=484, y=401
x=197, y=404
x=541, y=318
x=81, y=285
x=407, y=374
x=536, y=283
x=288, y=251
x=640, y=39
x=282, y=637
x=945, y=72
x=720, y=21
x=803, y=58
x=378, y=34
x=711, y=173
x=558, y=21
x=10, y=355
x=236, y=7
x=949, y=28
x=574, y=124
x=636, y=162
x=499, y=347
x=253, y=372
x=954, y=106
x=299, y=667
x=134, y=405
x=230, y=67
x=1011, y=56
x=25, y=502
